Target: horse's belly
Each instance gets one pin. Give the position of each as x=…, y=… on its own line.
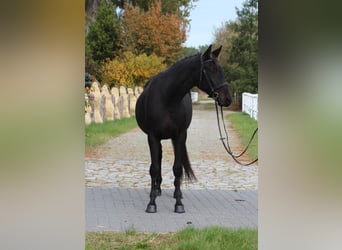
x=161, y=126
x=167, y=130
x=165, y=122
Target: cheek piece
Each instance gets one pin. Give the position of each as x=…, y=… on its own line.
x=214, y=88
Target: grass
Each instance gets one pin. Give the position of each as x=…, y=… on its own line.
x=245, y=126
x=189, y=238
x=204, y=106
x=98, y=133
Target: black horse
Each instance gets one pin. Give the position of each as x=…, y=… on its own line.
x=164, y=111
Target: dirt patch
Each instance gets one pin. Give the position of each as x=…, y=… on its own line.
x=95, y=152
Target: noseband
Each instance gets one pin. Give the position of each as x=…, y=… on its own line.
x=213, y=87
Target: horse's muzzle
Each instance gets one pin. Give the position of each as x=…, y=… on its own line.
x=222, y=95
x=225, y=102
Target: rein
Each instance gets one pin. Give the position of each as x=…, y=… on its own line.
x=214, y=94
x=226, y=144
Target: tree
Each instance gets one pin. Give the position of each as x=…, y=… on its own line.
x=180, y=7
x=239, y=56
x=242, y=64
x=188, y=51
x=153, y=32
x=102, y=40
x=202, y=48
x=131, y=70
x=144, y=27
x=223, y=36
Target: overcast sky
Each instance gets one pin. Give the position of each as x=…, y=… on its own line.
x=208, y=15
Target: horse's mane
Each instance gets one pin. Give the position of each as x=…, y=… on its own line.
x=172, y=67
x=182, y=60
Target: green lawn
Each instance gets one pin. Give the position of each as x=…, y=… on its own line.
x=189, y=238
x=245, y=126
x=98, y=133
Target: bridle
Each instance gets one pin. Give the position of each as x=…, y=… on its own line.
x=214, y=94
x=213, y=87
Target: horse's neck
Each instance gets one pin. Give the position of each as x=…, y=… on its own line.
x=186, y=77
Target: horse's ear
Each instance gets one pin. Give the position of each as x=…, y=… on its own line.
x=216, y=52
x=206, y=54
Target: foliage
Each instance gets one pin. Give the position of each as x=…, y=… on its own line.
x=244, y=125
x=153, y=32
x=131, y=70
x=217, y=238
x=91, y=66
x=242, y=67
x=189, y=238
x=188, y=51
x=102, y=40
x=180, y=7
x=239, y=56
x=203, y=48
x=223, y=36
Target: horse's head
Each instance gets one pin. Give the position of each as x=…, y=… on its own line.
x=212, y=78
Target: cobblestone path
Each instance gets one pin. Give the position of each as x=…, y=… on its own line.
x=123, y=162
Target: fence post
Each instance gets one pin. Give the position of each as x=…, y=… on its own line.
x=250, y=104
x=97, y=103
x=125, y=105
x=115, y=93
x=132, y=102
x=109, y=106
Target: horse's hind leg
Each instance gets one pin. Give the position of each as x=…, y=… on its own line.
x=155, y=172
x=159, y=178
x=179, y=148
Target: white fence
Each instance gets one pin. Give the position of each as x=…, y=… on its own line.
x=250, y=104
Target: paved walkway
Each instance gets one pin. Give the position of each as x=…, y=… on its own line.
x=114, y=209
x=118, y=183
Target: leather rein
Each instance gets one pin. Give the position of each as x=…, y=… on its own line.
x=214, y=94
x=226, y=143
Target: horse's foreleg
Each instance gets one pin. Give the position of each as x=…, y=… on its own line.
x=155, y=172
x=179, y=148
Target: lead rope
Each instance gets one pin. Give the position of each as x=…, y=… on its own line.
x=226, y=146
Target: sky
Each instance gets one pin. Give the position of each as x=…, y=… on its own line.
x=206, y=17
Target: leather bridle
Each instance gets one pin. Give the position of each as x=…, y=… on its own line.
x=214, y=88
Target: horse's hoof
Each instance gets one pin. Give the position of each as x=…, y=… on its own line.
x=179, y=209
x=158, y=192
x=151, y=208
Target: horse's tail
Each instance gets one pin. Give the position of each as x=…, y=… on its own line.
x=187, y=167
